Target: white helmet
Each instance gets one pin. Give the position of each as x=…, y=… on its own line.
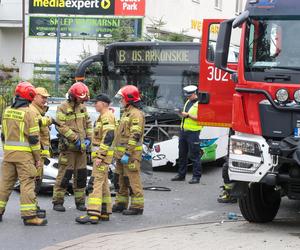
x=189, y=90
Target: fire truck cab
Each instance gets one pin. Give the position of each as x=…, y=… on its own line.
x=259, y=99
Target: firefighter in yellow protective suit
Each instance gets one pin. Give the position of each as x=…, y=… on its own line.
x=21, y=144
x=75, y=129
x=99, y=201
x=38, y=108
x=128, y=153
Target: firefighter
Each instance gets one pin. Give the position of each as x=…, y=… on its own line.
x=99, y=201
x=75, y=132
x=21, y=144
x=189, y=142
x=38, y=108
x=225, y=195
x=128, y=152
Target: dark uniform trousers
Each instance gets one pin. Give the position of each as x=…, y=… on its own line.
x=189, y=148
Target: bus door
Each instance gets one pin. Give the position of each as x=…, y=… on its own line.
x=216, y=88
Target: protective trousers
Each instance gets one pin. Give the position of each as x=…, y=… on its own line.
x=26, y=172
x=71, y=163
x=130, y=185
x=99, y=201
x=39, y=176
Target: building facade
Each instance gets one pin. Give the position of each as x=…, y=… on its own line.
x=37, y=44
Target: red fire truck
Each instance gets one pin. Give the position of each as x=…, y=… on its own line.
x=260, y=102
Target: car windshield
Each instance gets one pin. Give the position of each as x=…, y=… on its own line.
x=273, y=45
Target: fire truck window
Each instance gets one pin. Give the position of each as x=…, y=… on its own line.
x=234, y=43
x=266, y=47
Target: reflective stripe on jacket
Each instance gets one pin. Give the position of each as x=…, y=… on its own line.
x=130, y=134
x=103, y=137
x=21, y=135
x=74, y=121
x=189, y=124
x=44, y=122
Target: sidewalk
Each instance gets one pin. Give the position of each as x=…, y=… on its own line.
x=227, y=235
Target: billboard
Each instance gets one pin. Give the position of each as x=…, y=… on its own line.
x=88, y=7
x=81, y=27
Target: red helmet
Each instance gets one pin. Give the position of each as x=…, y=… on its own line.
x=79, y=91
x=25, y=90
x=130, y=93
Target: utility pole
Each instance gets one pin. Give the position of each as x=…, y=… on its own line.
x=57, y=56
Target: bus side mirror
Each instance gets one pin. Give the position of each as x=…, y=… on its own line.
x=223, y=44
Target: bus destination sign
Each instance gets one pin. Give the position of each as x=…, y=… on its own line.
x=156, y=56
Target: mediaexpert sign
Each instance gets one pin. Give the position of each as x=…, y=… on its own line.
x=81, y=27
x=88, y=7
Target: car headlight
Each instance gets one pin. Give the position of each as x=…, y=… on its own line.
x=297, y=96
x=282, y=95
x=238, y=147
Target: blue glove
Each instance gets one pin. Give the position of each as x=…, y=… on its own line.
x=87, y=142
x=78, y=144
x=125, y=159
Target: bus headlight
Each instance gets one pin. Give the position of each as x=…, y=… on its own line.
x=282, y=95
x=238, y=147
x=297, y=96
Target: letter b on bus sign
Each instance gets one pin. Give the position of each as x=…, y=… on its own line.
x=130, y=7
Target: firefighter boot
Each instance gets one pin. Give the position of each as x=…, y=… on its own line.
x=35, y=222
x=88, y=219
x=81, y=207
x=133, y=211
x=104, y=217
x=225, y=196
x=118, y=208
x=41, y=213
x=59, y=207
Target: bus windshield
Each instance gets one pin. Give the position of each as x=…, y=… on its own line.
x=160, y=73
x=161, y=86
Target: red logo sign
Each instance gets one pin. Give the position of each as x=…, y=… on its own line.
x=130, y=7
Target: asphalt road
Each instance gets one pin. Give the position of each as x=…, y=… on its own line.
x=184, y=204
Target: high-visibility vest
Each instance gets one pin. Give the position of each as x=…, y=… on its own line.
x=189, y=124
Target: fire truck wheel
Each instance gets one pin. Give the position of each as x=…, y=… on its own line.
x=260, y=203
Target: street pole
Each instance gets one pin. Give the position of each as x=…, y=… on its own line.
x=23, y=31
x=136, y=25
x=57, y=56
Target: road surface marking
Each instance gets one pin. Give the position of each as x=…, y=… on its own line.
x=200, y=215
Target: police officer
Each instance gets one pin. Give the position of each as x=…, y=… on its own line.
x=75, y=129
x=99, y=201
x=189, y=142
x=128, y=153
x=21, y=144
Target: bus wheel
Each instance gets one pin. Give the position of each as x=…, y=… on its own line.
x=260, y=203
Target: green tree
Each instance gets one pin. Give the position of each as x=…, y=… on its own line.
x=92, y=80
x=156, y=32
x=124, y=33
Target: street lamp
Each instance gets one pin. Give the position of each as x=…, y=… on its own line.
x=57, y=56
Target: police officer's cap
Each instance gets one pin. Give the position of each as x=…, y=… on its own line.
x=189, y=90
x=103, y=98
